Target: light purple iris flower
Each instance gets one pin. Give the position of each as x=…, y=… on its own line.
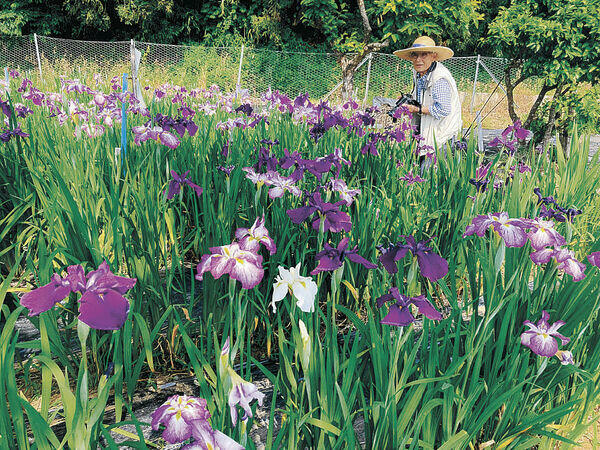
x=281, y=185
x=335, y=220
x=512, y=231
x=254, y=176
x=594, y=259
x=346, y=195
x=178, y=181
x=241, y=392
x=543, y=234
x=400, y=314
x=540, y=337
x=565, y=259
x=185, y=417
x=432, y=265
x=565, y=357
x=102, y=305
x=331, y=258
x=250, y=239
x=241, y=265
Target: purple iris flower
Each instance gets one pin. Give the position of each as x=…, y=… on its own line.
x=102, y=305
x=371, y=146
x=178, y=181
x=543, y=234
x=185, y=417
x=5, y=108
x=251, y=238
x=24, y=85
x=226, y=170
x=186, y=111
x=540, y=337
x=432, y=265
x=480, y=181
x=246, y=108
x=549, y=213
x=400, y=314
x=510, y=136
x=14, y=73
x=512, y=231
x=269, y=143
x=594, y=259
x=569, y=213
x=545, y=200
x=411, y=179
x=6, y=135
x=334, y=219
x=331, y=258
x=564, y=258
x=317, y=131
x=317, y=167
x=265, y=159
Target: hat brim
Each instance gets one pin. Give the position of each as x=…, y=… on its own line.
x=443, y=53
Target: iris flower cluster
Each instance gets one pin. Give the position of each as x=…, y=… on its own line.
x=546, y=242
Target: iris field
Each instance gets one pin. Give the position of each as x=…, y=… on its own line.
x=442, y=308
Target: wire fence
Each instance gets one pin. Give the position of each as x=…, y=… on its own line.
x=256, y=70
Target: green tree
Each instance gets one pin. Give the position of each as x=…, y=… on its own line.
x=346, y=28
x=554, y=41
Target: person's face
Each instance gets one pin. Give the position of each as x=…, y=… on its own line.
x=422, y=61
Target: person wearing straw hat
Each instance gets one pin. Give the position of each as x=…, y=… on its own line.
x=438, y=119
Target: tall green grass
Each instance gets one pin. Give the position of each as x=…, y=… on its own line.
x=450, y=384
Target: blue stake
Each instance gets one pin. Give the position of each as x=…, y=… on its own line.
x=124, y=122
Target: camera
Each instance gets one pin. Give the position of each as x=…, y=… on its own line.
x=405, y=99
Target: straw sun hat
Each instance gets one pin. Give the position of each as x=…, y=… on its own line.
x=425, y=44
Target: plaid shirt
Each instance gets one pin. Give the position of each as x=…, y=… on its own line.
x=441, y=94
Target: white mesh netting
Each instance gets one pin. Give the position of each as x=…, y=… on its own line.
x=319, y=74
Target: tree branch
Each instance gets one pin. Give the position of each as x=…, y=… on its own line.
x=365, y=20
x=538, y=101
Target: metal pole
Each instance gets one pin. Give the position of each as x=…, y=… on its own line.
x=475, y=83
x=479, y=133
x=239, y=78
x=37, y=53
x=124, y=122
x=132, y=60
x=496, y=80
x=492, y=75
x=368, y=78
x=337, y=86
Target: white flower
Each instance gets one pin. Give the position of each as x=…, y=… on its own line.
x=305, y=348
x=304, y=289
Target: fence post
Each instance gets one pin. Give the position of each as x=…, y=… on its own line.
x=368, y=78
x=239, y=78
x=132, y=59
x=37, y=53
x=479, y=132
x=124, y=122
x=475, y=83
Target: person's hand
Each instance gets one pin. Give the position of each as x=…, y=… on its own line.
x=413, y=109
